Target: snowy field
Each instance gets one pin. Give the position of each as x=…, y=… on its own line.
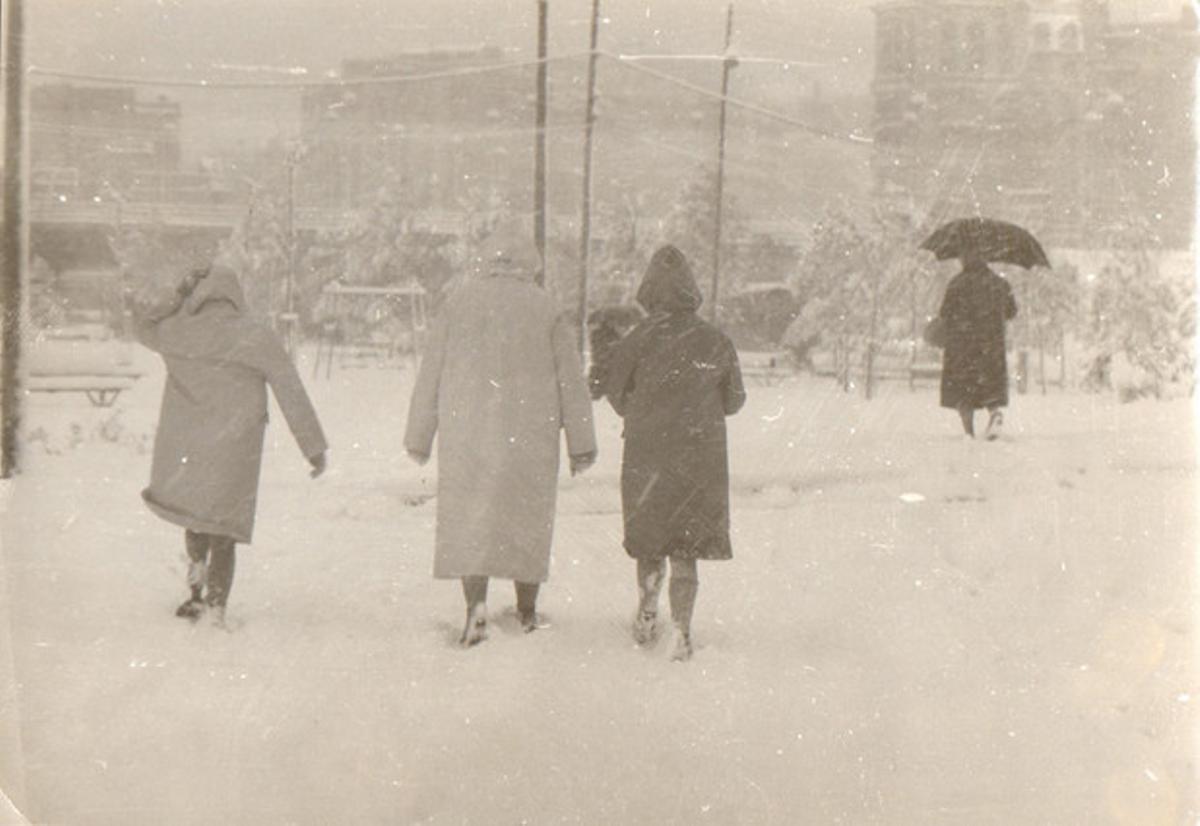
x=915, y=629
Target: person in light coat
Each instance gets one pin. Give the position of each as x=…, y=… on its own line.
x=498, y=382
x=208, y=446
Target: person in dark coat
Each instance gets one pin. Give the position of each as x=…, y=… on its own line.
x=208, y=445
x=974, y=369
x=673, y=379
x=606, y=326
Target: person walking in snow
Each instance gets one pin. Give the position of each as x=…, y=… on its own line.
x=974, y=310
x=499, y=380
x=673, y=379
x=208, y=446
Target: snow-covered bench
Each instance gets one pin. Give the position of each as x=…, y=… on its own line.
x=101, y=389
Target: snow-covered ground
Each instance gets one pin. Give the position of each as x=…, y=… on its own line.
x=916, y=629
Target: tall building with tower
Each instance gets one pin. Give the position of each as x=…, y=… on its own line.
x=1054, y=113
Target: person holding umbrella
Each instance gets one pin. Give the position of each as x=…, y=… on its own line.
x=974, y=310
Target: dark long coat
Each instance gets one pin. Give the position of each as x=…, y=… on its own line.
x=208, y=446
x=974, y=369
x=674, y=379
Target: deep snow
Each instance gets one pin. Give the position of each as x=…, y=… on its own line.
x=915, y=629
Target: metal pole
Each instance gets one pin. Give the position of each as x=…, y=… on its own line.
x=585, y=234
x=539, y=151
x=289, y=294
x=13, y=233
x=726, y=64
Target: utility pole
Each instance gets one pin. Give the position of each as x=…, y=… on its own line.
x=539, y=151
x=585, y=233
x=13, y=232
x=727, y=63
x=289, y=317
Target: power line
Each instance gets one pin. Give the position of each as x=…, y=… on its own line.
x=732, y=101
x=128, y=80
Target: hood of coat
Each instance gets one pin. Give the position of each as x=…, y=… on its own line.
x=509, y=251
x=669, y=285
x=219, y=287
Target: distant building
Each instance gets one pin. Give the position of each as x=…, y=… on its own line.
x=1047, y=112
x=87, y=141
x=454, y=131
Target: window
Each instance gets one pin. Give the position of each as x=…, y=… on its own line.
x=1041, y=36
x=1068, y=38
x=976, y=47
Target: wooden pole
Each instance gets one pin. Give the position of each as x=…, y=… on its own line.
x=585, y=222
x=727, y=64
x=13, y=233
x=539, y=151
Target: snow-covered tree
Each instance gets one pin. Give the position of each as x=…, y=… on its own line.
x=1144, y=315
x=860, y=270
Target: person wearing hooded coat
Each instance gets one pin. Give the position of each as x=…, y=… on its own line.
x=208, y=446
x=974, y=310
x=674, y=378
x=499, y=379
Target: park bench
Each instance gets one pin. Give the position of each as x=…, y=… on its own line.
x=926, y=371
x=765, y=368
x=101, y=389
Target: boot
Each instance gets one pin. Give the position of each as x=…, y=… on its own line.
x=192, y=608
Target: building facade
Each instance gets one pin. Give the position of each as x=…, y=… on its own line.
x=1047, y=112
x=92, y=141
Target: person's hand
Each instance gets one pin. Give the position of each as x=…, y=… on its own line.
x=189, y=282
x=418, y=457
x=318, y=464
x=582, y=461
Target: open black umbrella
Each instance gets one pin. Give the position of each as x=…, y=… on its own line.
x=989, y=239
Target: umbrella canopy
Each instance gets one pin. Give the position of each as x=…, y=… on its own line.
x=989, y=239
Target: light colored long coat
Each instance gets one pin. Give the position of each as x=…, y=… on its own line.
x=499, y=380
x=208, y=447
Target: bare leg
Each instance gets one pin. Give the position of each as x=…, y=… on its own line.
x=650, y=576
x=475, y=592
x=967, y=414
x=685, y=582
x=995, y=422
x=527, y=594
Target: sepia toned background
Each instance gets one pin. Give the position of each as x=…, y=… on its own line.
x=915, y=627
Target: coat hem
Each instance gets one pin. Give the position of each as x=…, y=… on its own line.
x=192, y=522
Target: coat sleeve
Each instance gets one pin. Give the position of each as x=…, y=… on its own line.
x=1010, y=303
x=619, y=369
x=423, y=406
x=733, y=390
x=574, y=401
x=293, y=399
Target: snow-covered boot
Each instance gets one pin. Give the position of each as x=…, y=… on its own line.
x=995, y=423
x=645, y=626
x=216, y=617
x=681, y=649
x=532, y=621
x=475, y=630
x=192, y=608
